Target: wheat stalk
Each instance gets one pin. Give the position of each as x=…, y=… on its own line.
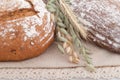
x=70, y=15
x=69, y=32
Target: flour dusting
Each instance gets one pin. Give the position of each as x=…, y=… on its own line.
x=101, y=16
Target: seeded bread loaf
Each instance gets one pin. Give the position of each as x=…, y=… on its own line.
x=26, y=29
x=101, y=18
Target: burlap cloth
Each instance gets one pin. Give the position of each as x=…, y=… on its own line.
x=54, y=65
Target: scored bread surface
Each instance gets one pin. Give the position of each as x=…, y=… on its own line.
x=101, y=18
x=26, y=29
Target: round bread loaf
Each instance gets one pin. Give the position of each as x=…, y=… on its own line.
x=101, y=18
x=26, y=29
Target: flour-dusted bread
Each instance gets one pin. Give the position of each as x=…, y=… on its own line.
x=26, y=29
x=101, y=18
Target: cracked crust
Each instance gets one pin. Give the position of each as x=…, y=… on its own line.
x=26, y=29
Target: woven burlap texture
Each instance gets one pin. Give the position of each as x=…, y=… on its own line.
x=53, y=64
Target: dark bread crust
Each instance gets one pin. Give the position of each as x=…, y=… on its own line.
x=25, y=32
x=101, y=18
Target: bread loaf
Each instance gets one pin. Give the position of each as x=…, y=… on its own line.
x=26, y=29
x=101, y=18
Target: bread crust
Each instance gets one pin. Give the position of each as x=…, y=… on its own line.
x=101, y=18
x=26, y=29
